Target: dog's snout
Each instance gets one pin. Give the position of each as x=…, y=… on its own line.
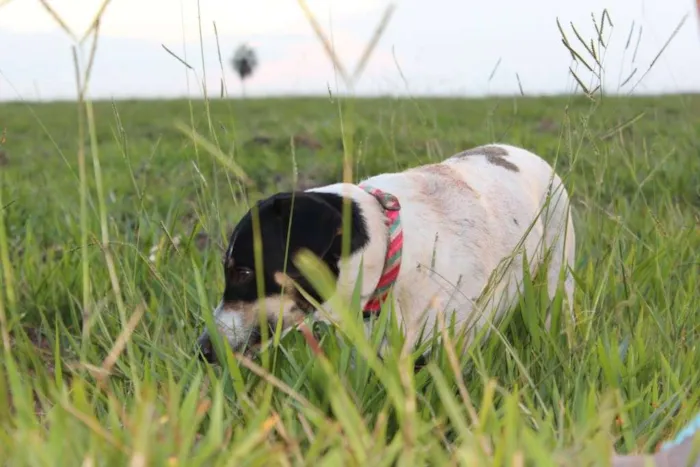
x=205, y=348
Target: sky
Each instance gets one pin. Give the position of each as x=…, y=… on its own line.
x=430, y=47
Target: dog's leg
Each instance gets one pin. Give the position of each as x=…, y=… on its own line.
x=562, y=239
x=554, y=280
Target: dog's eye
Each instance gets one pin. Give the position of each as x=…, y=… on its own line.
x=240, y=275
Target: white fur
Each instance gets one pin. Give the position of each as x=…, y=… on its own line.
x=229, y=322
x=466, y=227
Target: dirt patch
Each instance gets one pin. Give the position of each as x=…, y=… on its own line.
x=201, y=240
x=547, y=125
x=306, y=179
x=305, y=140
x=261, y=140
x=40, y=342
x=44, y=352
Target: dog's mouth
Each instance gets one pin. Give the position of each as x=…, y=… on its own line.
x=255, y=340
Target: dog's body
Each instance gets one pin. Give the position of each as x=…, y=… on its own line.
x=466, y=222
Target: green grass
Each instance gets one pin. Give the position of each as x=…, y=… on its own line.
x=624, y=376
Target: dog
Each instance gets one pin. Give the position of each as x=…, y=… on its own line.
x=443, y=237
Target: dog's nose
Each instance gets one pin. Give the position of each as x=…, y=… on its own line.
x=205, y=348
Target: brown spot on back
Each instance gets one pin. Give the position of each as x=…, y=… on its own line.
x=439, y=174
x=438, y=186
x=488, y=150
x=493, y=154
x=503, y=163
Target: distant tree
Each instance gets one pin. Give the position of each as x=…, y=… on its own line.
x=244, y=63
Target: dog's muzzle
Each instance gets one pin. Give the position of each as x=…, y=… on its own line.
x=205, y=348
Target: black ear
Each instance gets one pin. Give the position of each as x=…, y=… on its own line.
x=315, y=223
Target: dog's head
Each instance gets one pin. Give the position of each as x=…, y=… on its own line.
x=288, y=222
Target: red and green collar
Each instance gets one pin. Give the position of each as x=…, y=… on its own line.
x=392, y=261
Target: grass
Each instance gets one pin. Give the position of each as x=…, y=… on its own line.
x=107, y=375
x=111, y=243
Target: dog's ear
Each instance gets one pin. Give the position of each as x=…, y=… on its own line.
x=315, y=223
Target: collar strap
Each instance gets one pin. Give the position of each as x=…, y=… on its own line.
x=392, y=261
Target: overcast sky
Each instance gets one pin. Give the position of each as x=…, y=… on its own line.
x=443, y=47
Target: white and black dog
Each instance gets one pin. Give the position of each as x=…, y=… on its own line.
x=439, y=236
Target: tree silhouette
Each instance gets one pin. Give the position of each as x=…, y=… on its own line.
x=244, y=63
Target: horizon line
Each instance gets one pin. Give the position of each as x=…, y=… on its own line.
x=282, y=96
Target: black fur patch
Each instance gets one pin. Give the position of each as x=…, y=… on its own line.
x=316, y=223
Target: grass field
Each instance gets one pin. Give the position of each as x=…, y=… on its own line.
x=99, y=365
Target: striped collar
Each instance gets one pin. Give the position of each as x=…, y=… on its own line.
x=392, y=261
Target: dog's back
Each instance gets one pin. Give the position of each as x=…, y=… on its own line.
x=465, y=220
